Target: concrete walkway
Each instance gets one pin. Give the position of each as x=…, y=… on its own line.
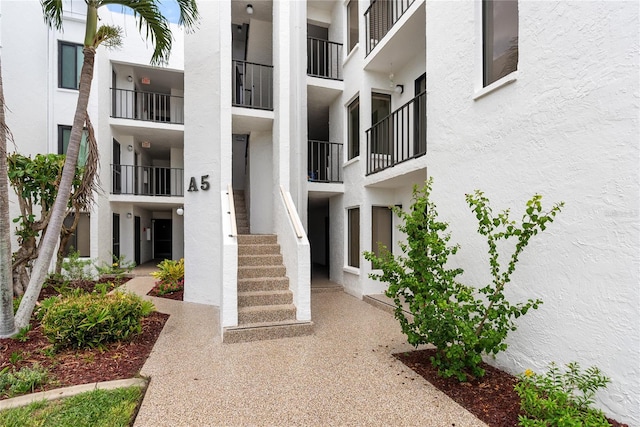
x=344, y=374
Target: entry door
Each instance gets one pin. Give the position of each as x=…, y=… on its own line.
x=420, y=117
x=137, y=237
x=381, y=141
x=115, y=235
x=162, y=238
x=117, y=169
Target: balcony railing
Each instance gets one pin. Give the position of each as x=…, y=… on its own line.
x=253, y=85
x=147, y=180
x=324, y=59
x=324, y=161
x=147, y=106
x=399, y=137
x=380, y=17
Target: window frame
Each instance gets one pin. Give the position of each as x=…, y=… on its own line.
x=353, y=145
x=488, y=26
x=374, y=240
x=84, y=226
x=77, y=64
x=352, y=7
x=82, y=158
x=353, y=237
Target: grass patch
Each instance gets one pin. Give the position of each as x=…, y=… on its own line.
x=98, y=408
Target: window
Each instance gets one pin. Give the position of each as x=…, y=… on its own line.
x=64, y=133
x=353, y=250
x=500, y=39
x=81, y=238
x=382, y=126
x=70, y=59
x=354, y=128
x=381, y=229
x=352, y=24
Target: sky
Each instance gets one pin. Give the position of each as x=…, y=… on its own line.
x=169, y=8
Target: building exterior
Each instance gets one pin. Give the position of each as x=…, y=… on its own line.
x=325, y=113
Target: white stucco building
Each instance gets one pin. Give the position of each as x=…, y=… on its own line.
x=324, y=113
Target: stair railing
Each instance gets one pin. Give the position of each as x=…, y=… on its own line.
x=293, y=217
x=232, y=212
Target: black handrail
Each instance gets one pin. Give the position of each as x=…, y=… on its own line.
x=380, y=17
x=398, y=137
x=324, y=59
x=253, y=85
x=147, y=180
x=324, y=161
x=147, y=106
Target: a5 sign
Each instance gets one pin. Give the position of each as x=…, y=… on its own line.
x=204, y=183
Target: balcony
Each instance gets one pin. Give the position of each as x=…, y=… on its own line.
x=147, y=181
x=147, y=106
x=253, y=85
x=380, y=18
x=399, y=137
x=324, y=161
x=324, y=59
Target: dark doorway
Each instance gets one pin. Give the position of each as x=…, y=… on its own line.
x=420, y=116
x=115, y=247
x=162, y=238
x=137, y=237
x=117, y=169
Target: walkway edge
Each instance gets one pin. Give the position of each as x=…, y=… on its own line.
x=69, y=391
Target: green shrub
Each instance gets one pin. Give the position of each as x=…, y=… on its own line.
x=170, y=276
x=92, y=320
x=75, y=268
x=459, y=322
x=26, y=380
x=117, y=267
x=561, y=399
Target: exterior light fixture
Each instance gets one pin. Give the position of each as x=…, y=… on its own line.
x=180, y=211
x=130, y=147
x=129, y=79
x=250, y=9
x=129, y=215
x=399, y=89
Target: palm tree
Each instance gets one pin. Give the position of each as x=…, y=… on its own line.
x=149, y=17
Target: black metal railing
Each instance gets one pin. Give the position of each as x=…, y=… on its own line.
x=147, y=106
x=147, y=180
x=324, y=59
x=380, y=17
x=252, y=85
x=399, y=137
x=324, y=161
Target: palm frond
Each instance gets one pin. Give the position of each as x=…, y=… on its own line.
x=52, y=13
x=109, y=36
x=189, y=14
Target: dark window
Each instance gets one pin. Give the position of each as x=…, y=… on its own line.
x=354, y=237
x=352, y=24
x=354, y=128
x=70, y=59
x=80, y=240
x=115, y=235
x=382, y=126
x=64, y=133
x=381, y=229
x=500, y=39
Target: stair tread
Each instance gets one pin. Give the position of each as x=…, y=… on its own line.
x=268, y=324
x=270, y=292
x=274, y=307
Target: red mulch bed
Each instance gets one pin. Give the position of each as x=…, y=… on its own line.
x=72, y=367
x=177, y=295
x=490, y=398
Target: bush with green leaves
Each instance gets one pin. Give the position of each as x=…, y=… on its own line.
x=170, y=276
x=76, y=268
x=25, y=380
x=93, y=320
x=462, y=322
x=118, y=266
x=562, y=399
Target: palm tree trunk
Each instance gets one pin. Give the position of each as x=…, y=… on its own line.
x=7, y=324
x=57, y=214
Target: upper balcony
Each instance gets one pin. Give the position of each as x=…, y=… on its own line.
x=324, y=59
x=399, y=137
x=147, y=106
x=147, y=181
x=395, y=33
x=252, y=85
x=324, y=162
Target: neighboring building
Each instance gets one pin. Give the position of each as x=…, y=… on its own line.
x=324, y=113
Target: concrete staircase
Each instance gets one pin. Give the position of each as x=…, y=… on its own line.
x=265, y=303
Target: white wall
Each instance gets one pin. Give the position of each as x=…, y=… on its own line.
x=567, y=128
x=260, y=42
x=260, y=205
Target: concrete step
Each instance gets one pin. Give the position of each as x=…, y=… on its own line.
x=269, y=331
x=256, y=298
x=259, y=239
x=263, y=284
x=258, y=249
x=246, y=272
x=243, y=230
x=259, y=260
x=266, y=313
